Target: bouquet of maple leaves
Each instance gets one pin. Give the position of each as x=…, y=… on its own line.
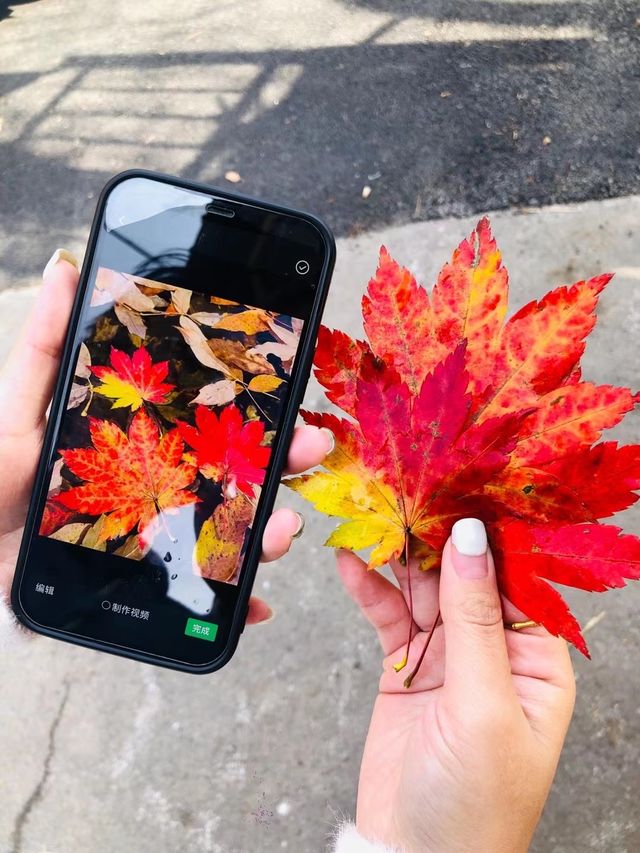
x=454, y=412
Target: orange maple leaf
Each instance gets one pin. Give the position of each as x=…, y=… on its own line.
x=133, y=478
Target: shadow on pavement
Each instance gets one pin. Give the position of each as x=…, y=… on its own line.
x=436, y=127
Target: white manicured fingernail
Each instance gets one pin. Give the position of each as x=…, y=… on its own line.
x=331, y=437
x=59, y=255
x=470, y=537
x=300, y=527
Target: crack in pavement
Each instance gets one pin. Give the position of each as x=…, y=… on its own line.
x=36, y=794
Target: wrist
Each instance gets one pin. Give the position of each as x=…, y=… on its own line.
x=349, y=839
x=12, y=634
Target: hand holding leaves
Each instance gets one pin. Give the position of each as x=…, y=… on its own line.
x=455, y=412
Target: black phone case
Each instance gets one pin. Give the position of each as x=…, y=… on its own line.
x=304, y=358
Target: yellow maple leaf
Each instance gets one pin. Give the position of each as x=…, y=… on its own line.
x=370, y=506
x=221, y=538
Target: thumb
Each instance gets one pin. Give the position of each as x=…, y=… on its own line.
x=28, y=376
x=476, y=660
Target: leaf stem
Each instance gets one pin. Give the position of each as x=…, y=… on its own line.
x=165, y=525
x=257, y=405
x=403, y=662
x=83, y=413
x=414, y=671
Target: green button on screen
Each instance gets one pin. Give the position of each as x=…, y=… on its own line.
x=201, y=630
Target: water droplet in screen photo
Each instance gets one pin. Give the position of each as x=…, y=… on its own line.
x=167, y=557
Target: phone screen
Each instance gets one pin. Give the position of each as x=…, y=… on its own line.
x=184, y=355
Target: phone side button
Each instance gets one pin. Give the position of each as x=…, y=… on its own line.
x=244, y=621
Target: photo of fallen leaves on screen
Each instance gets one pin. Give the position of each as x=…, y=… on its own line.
x=169, y=423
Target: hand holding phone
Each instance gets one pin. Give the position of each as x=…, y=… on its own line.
x=170, y=422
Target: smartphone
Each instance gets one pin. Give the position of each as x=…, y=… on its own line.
x=187, y=356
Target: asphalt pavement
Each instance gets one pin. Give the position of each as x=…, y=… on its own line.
x=438, y=108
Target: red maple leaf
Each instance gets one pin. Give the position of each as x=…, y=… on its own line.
x=227, y=450
x=131, y=380
x=455, y=412
x=133, y=478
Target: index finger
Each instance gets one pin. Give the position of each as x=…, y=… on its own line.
x=380, y=601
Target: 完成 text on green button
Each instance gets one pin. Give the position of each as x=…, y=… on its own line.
x=201, y=630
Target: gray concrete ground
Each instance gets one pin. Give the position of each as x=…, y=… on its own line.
x=101, y=754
